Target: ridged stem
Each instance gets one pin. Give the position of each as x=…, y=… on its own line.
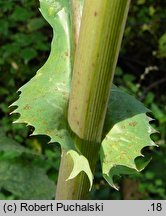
x=96, y=56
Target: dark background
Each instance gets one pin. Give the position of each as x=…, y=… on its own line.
x=28, y=166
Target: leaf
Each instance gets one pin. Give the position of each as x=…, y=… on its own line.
x=21, y=39
x=16, y=177
x=80, y=164
x=43, y=100
x=21, y=14
x=162, y=46
x=4, y=27
x=9, y=145
x=16, y=174
x=127, y=133
x=28, y=53
x=35, y=24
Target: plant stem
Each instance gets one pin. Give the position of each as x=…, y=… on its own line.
x=95, y=60
x=96, y=56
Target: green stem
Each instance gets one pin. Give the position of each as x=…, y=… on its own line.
x=96, y=56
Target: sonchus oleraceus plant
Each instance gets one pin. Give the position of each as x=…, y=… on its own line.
x=72, y=99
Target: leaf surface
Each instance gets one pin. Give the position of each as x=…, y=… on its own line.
x=127, y=132
x=8, y=144
x=43, y=100
x=25, y=180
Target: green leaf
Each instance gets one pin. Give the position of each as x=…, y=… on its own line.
x=21, y=14
x=25, y=180
x=28, y=53
x=8, y=145
x=43, y=100
x=162, y=46
x=4, y=27
x=127, y=132
x=141, y=2
x=16, y=173
x=35, y=24
x=21, y=39
x=158, y=113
